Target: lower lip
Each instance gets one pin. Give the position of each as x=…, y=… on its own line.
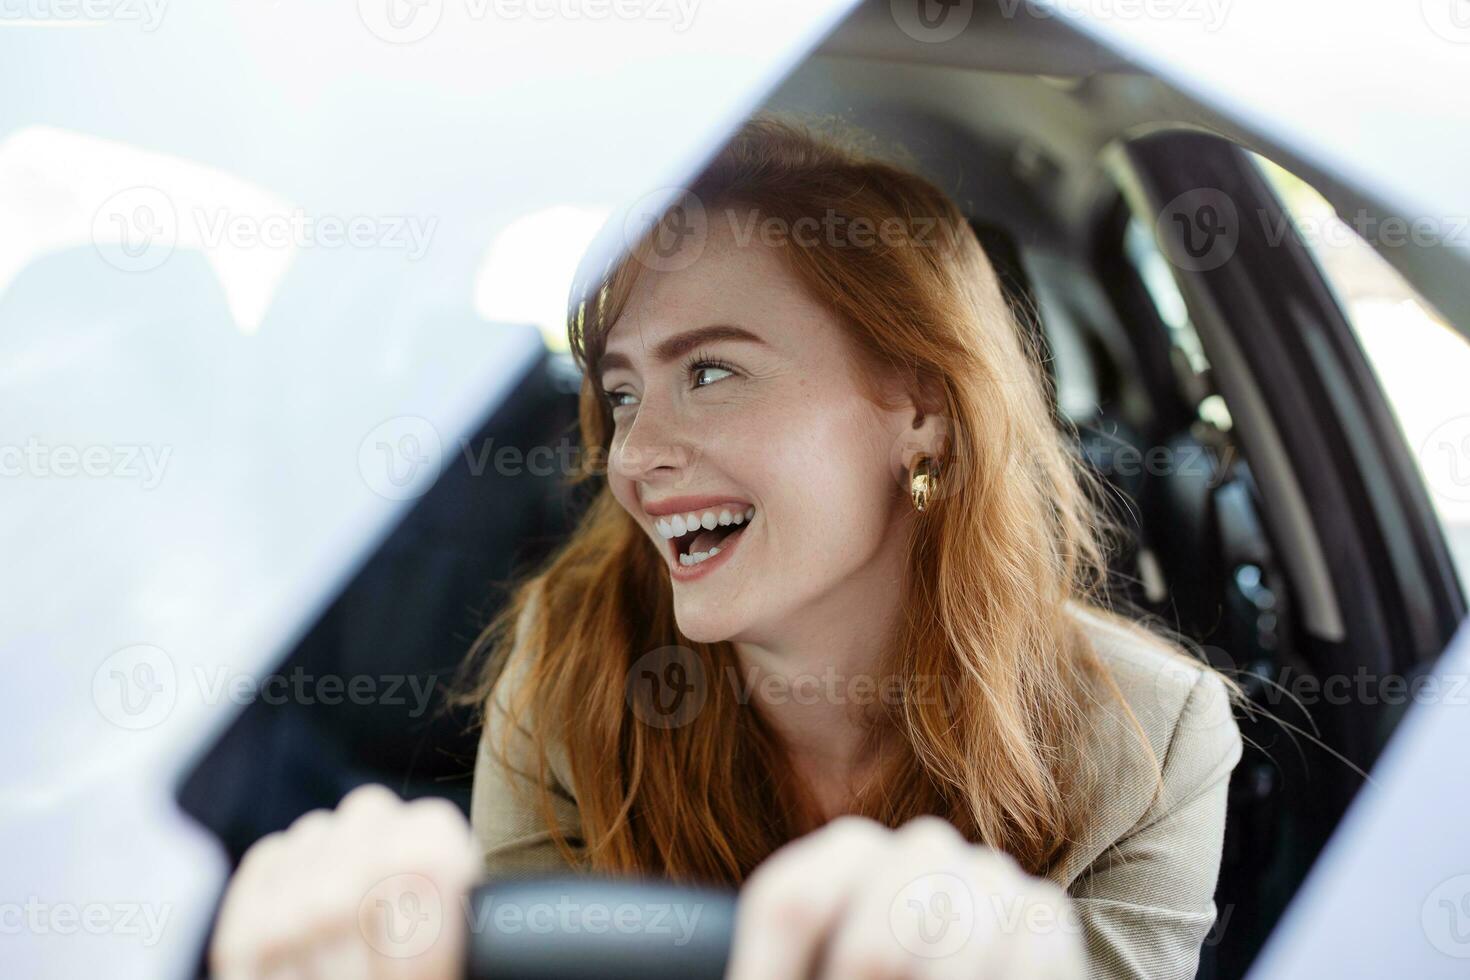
x=688, y=573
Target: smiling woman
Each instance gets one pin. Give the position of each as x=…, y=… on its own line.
x=770, y=404
x=831, y=630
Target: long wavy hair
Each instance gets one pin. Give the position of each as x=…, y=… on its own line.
x=1013, y=540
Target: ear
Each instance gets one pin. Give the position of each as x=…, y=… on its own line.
x=915, y=407
x=927, y=434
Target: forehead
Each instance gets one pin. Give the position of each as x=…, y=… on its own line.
x=742, y=282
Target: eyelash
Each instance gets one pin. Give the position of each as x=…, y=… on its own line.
x=699, y=359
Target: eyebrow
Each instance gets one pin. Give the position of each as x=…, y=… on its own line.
x=672, y=348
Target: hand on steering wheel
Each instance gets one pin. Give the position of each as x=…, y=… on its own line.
x=377, y=889
x=372, y=889
x=858, y=899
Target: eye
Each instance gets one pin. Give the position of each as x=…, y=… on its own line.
x=708, y=374
x=619, y=399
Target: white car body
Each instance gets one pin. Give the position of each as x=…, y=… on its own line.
x=214, y=404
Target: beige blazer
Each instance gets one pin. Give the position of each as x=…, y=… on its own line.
x=1142, y=876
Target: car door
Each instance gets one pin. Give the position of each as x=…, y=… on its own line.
x=255, y=285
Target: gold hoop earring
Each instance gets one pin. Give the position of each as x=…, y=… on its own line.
x=923, y=482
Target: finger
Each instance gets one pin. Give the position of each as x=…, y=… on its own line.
x=325, y=919
x=913, y=914
x=1043, y=936
x=793, y=900
x=405, y=904
x=293, y=913
x=241, y=917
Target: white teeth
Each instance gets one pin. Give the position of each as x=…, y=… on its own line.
x=681, y=525
x=698, y=556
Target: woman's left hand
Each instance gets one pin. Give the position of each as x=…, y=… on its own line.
x=855, y=899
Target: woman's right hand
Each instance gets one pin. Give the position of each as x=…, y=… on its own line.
x=373, y=889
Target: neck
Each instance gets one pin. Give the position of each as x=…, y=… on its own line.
x=818, y=681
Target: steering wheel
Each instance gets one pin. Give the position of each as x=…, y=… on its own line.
x=588, y=928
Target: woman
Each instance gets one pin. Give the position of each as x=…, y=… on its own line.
x=831, y=630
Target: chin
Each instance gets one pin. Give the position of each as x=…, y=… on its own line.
x=705, y=622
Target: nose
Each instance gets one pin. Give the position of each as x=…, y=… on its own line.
x=655, y=447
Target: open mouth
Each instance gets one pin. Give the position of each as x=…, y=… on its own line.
x=698, y=536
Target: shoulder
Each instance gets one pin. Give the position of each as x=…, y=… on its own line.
x=1161, y=731
x=1174, y=697
x=522, y=797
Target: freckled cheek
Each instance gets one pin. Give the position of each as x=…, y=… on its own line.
x=819, y=476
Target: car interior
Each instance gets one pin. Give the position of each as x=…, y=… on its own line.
x=1226, y=410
